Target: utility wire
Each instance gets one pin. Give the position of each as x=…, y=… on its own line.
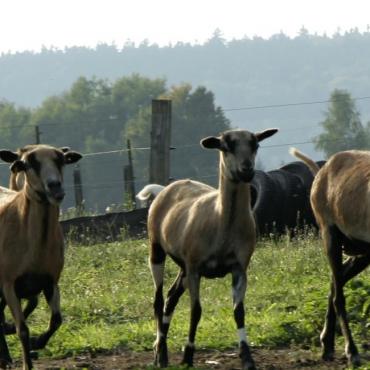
x=253, y=107
x=292, y=104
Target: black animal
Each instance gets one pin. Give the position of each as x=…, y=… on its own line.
x=280, y=199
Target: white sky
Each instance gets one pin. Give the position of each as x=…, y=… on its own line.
x=30, y=24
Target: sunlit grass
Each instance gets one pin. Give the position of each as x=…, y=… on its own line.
x=107, y=297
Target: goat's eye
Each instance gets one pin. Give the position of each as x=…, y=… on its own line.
x=59, y=161
x=231, y=144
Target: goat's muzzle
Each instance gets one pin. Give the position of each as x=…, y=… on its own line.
x=246, y=174
x=55, y=191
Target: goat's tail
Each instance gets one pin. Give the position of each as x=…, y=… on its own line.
x=149, y=190
x=314, y=168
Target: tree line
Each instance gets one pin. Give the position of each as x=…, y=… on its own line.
x=97, y=115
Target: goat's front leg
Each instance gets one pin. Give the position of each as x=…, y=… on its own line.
x=9, y=328
x=15, y=307
x=193, y=281
x=239, y=285
x=5, y=358
x=53, y=298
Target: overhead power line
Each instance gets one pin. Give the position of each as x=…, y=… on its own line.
x=253, y=107
x=291, y=104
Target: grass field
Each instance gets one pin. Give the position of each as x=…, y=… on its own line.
x=107, y=296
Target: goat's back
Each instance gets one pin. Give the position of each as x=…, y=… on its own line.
x=177, y=211
x=340, y=194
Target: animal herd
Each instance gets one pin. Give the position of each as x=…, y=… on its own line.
x=208, y=232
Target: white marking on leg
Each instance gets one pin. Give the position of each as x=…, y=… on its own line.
x=157, y=273
x=159, y=335
x=242, y=335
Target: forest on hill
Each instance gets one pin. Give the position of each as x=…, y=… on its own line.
x=94, y=99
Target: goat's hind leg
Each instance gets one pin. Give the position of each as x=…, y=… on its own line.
x=175, y=292
x=157, y=261
x=53, y=299
x=334, y=254
x=239, y=285
x=352, y=267
x=332, y=240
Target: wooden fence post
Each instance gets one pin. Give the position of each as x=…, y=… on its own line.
x=130, y=174
x=129, y=192
x=160, y=142
x=78, y=190
x=37, y=134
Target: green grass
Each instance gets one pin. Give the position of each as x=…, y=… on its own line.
x=107, y=296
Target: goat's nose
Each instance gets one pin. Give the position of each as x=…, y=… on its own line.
x=246, y=165
x=56, y=190
x=54, y=184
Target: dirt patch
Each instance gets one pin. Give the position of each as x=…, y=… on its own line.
x=266, y=359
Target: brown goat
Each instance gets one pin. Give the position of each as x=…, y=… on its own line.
x=208, y=232
x=340, y=199
x=31, y=242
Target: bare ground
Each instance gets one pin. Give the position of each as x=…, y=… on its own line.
x=266, y=359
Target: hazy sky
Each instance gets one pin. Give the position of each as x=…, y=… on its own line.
x=29, y=24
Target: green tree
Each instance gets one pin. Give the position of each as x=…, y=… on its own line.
x=343, y=129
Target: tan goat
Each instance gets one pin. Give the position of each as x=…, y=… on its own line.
x=340, y=199
x=208, y=232
x=31, y=242
x=16, y=183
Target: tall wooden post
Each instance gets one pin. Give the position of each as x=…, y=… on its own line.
x=78, y=190
x=37, y=134
x=129, y=196
x=130, y=174
x=160, y=142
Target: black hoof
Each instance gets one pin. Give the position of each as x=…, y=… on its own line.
x=249, y=366
x=188, y=357
x=37, y=343
x=246, y=357
x=5, y=363
x=354, y=360
x=328, y=356
x=34, y=355
x=161, y=354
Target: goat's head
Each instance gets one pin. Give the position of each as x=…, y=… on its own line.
x=41, y=166
x=238, y=151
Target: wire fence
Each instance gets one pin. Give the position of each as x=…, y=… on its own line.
x=102, y=171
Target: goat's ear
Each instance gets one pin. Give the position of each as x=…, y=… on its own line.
x=18, y=166
x=211, y=142
x=72, y=157
x=8, y=156
x=65, y=149
x=265, y=134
